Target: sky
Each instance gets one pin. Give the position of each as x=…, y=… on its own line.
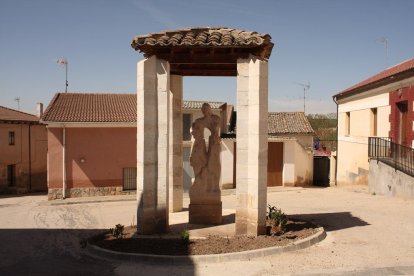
x=329, y=44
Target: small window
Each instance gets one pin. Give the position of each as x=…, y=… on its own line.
x=373, y=122
x=11, y=138
x=348, y=123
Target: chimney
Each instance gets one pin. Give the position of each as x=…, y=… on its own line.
x=39, y=110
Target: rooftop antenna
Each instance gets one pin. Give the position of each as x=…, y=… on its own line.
x=64, y=62
x=305, y=88
x=17, y=99
x=385, y=41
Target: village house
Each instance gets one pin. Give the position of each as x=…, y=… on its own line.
x=380, y=106
x=23, y=146
x=95, y=135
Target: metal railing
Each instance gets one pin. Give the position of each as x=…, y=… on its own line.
x=398, y=156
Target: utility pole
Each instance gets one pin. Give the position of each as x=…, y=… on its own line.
x=305, y=88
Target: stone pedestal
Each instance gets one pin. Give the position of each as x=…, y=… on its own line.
x=205, y=213
x=251, y=170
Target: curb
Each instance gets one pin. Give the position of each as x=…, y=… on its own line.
x=200, y=259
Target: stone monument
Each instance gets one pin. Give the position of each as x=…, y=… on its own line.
x=205, y=195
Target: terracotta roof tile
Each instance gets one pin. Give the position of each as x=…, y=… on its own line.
x=199, y=104
x=88, y=107
x=85, y=107
x=203, y=37
x=11, y=115
x=288, y=123
x=388, y=73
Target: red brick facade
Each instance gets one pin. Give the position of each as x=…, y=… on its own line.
x=402, y=98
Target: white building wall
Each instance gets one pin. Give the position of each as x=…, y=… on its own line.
x=227, y=164
x=289, y=159
x=352, y=154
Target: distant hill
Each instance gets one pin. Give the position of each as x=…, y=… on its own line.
x=325, y=128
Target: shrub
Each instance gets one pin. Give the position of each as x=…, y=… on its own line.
x=275, y=221
x=185, y=236
x=118, y=231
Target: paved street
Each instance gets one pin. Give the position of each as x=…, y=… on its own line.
x=366, y=235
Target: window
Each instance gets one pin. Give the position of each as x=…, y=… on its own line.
x=186, y=127
x=347, y=123
x=374, y=124
x=11, y=138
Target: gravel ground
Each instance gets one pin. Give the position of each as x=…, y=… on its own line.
x=366, y=234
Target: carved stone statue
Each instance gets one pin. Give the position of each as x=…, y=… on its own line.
x=205, y=194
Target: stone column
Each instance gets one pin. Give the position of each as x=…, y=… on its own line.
x=176, y=144
x=153, y=88
x=251, y=170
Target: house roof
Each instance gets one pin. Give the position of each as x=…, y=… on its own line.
x=388, y=75
x=100, y=108
x=87, y=107
x=199, y=104
x=288, y=123
x=11, y=115
x=204, y=51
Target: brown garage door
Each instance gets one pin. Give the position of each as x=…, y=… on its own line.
x=275, y=164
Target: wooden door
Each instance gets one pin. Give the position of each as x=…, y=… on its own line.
x=275, y=164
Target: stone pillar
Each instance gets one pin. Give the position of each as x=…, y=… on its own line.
x=153, y=88
x=176, y=144
x=251, y=170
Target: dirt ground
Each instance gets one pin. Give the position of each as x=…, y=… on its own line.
x=212, y=244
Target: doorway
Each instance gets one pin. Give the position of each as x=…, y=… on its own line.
x=402, y=123
x=275, y=164
x=11, y=175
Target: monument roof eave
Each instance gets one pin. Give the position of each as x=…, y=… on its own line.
x=204, y=51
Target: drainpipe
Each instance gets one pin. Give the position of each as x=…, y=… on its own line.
x=64, y=162
x=30, y=160
x=337, y=141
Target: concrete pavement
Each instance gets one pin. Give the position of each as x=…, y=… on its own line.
x=366, y=235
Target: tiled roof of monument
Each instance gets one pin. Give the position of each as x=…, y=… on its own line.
x=202, y=37
x=199, y=104
x=87, y=107
x=388, y=75
x=288, y=123
x=98, y=108
x=204, y=51
x=11, y=115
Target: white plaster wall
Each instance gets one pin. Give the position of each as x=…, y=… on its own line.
x=289, y=163
x=303, y=166
x=352, y=156
x=227, y=166
x=385, y=180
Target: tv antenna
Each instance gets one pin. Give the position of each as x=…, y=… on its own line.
x=306, y=87
x=385, y=41
x=17, y=99
x=64, y=62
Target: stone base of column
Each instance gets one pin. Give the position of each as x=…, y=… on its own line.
x=208, y=213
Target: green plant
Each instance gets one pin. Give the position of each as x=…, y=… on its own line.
x=118, y=231
x=275, y=221
x=185, y=236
